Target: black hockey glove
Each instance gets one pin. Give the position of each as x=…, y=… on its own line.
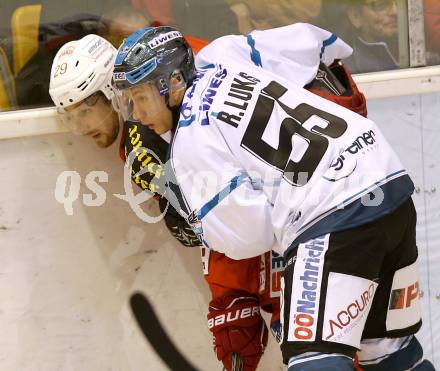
x=178, y=226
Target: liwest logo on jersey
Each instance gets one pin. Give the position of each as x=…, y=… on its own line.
x=307, y=278
x=210, y=93
x=187, y=117
x=240, y=93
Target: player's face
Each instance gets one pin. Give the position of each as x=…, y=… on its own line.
x=95, y=118
x=379, y=19
x=150, y=109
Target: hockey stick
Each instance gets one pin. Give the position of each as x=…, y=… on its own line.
x=153, y=330
x=155, y=333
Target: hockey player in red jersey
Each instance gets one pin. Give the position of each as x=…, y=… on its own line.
x=240, y=115
x=85, y=107
x=242, y=284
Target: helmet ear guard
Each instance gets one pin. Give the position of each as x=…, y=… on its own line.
x=178, y=80
x=177, y=88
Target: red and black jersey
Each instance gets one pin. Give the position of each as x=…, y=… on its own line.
x=149, y=148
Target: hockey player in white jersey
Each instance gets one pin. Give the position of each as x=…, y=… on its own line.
x=260, y=163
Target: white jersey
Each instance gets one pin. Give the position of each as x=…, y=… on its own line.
x=262, y=163
x=293, y=52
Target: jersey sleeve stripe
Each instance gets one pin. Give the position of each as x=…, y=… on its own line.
x=255, y=54
x=327, y=42
x=233, y=184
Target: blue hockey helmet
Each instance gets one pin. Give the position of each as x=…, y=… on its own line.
x=153, y=54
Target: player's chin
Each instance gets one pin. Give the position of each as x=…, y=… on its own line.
x=160, y=129
x=149, y=125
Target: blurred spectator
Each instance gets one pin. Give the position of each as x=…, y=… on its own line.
x=200, y=18
x=372, y=33
x=253, y=17
x=206, y=19
x=263, y=14
x=159, y=10
x=122, y=22
x=432, y=31
x=293, y=11
x=54, y=10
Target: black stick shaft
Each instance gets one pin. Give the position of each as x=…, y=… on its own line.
x=156, y=335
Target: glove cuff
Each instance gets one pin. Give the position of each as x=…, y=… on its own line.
x=231, y=311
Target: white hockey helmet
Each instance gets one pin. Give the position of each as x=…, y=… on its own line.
x=80, y=69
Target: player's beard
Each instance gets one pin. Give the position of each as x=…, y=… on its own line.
x=105, y=140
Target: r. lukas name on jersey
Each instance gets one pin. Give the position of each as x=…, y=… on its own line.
x=240, y=94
